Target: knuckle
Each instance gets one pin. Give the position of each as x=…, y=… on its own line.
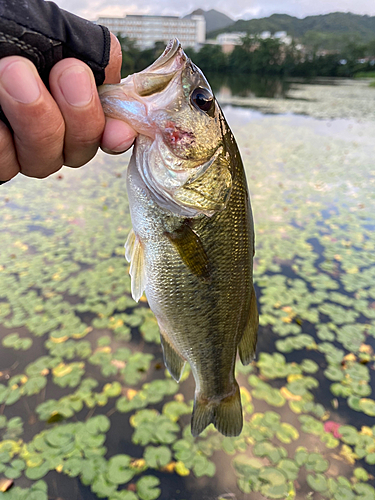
x=43, y=142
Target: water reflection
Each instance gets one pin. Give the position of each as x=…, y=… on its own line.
x=248, y=85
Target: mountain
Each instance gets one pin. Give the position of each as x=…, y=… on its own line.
x=215, y=20
x=336, y=23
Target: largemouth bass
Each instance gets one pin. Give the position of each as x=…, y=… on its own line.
x=192, y=244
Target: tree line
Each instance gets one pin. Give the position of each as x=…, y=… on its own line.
x=267, y=56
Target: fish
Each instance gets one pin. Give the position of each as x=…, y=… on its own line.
x=192, y=244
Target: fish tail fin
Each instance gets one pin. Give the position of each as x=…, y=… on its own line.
x=226, y=414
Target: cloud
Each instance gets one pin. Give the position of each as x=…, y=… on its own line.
x=245, y=9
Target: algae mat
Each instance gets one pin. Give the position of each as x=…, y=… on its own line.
x=86, y=408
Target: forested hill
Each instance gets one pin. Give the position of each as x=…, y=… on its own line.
x=336, y=23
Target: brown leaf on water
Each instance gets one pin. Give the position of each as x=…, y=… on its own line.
x=350, y=357
x=289, y=395
x=130, y=393
x=169, y=467
x=6, y=484
x=348, y=454
x=366, y=349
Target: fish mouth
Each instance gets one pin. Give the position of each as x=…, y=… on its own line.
x=155, y=78
x=171, y=51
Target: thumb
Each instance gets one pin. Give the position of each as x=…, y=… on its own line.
x=113, y=70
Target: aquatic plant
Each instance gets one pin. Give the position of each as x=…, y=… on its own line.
x=84, y=394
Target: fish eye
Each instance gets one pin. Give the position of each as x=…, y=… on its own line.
x=203, y=99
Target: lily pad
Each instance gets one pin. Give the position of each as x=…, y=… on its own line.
x=317, y=483
x=274, y=483
x=118, y=471
x=147, y=488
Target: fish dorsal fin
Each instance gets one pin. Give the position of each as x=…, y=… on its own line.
x=246, y=347
x=135, y=255
x=172, y=359
x=191, y=250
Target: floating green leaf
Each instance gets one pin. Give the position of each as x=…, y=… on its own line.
x=147, y=488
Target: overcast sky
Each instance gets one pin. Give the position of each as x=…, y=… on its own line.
x=237, y=9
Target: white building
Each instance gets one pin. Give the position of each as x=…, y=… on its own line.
x=229, y=40
x=146, y=30
x=265, y=34
x=283, y=37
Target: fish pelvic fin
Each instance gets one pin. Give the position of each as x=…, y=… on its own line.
x=247, y=346
x=172, y=360
x=135, y=255
x=225, y=414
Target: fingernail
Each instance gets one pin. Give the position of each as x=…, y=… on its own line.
x=20, y=83
x=76, y=85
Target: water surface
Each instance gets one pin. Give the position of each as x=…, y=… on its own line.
x=87, y=410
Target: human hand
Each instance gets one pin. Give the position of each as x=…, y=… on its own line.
x=62, y=127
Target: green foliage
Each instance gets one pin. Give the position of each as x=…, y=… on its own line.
x=14, y=341
x=147, y=488
x=335, y=25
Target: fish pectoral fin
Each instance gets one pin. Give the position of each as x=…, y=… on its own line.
x=191, y=250
x=173, y=361
x=246, y=347
x=129, y=245
x=225, y=414
x=135, y=255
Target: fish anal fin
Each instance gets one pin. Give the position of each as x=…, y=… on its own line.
x=172, y=360
x=225, y=414
x=247, y=346
x=191, y=250
x=134, y=253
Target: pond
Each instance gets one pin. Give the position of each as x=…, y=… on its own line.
x=87, y=409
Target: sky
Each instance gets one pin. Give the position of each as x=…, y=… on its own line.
x=236, y=9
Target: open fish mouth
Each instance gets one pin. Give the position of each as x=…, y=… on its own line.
x=170, y=52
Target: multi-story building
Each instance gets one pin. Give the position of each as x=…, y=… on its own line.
x=146, y=30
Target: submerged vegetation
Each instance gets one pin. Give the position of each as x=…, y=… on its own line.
x=87, y=409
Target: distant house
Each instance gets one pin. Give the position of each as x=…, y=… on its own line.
x=146, y=30
x=283, y=37
x=229, y=40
